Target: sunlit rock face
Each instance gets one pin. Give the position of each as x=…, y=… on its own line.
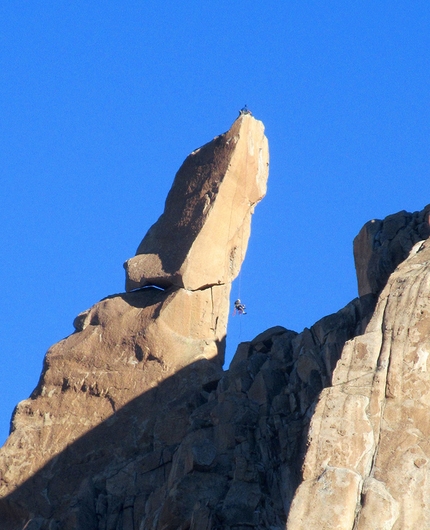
x=202, y=236
x=368, y=461
x=135, y=426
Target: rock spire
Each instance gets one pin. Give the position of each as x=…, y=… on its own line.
x=129, y=347
x=201, y=238
x=134, y=425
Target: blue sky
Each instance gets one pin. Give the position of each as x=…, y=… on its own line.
x=100, y=102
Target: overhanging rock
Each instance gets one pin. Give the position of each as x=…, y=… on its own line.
x=201, y=238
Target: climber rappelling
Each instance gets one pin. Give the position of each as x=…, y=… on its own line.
x=239, y=308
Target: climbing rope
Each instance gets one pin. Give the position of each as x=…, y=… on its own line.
x=239, y=306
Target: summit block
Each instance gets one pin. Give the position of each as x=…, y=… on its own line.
x=201, y=238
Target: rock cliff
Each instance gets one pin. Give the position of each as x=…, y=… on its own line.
x=381, y=245
x=367, y=464
x=135, y=426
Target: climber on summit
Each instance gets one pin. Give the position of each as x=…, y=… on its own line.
x=239, y=307
x=245, y=110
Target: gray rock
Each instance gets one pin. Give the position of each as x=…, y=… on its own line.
x=381, y=246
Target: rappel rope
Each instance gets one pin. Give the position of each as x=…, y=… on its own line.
x=239, y=307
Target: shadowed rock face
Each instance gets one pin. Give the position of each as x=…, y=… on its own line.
x=382, y=245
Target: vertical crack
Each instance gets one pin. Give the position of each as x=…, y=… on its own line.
x=379, y=382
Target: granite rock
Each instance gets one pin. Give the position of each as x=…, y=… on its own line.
x=367, y=464
x=135, y=426
x=201, y=238
x=382, y=245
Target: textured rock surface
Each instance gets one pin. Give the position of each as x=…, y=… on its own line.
x=128, y=345
x=202, y=236
x=382, y=245
x=367, y=465
x=134, y=425
x=198, y=450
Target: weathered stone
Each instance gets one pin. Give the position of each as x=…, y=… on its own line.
x=241, y=355
x=340, y=501
x=258, y=390
x=370, y=425
x=240, y=504
x=382, y=245
x=379, y=510
x=251, y=440
x=306, y=364
x=129, y=348
x=193, y=491
x=134, y=425
x=201, y=238
x=268, y=335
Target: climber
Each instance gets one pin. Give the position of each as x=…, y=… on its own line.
x=245, y=110
x=239, y=307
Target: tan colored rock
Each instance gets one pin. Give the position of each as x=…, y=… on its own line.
x=200, y=448
x=130, y=348
x=202, y=236
x=372, y=424
x=134, y=426
x=125, y=345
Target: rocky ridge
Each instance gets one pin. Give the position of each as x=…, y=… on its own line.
x=135, y=426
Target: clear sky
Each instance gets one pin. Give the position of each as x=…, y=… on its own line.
x=100, y=102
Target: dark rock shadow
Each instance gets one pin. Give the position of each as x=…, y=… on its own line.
x=203, y=449
x=127, y=456
x=381, y=245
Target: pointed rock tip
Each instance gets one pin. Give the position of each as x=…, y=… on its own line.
x=202, y=236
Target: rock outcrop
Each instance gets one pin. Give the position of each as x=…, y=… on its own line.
x=200, y=450
x=382, y=245
x=368, y=461
x=134, y=425
x=127, y=345
x=201, y=238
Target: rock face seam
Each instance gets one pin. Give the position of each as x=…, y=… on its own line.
x=377, y=428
